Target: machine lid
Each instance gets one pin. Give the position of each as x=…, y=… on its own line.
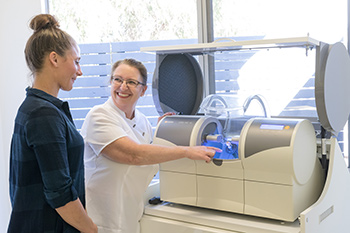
x=221, y=104
x=332, y=86
x=177, y=84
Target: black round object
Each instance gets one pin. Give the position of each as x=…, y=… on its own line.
x=177, y=84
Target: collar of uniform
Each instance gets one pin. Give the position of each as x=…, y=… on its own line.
x=112, y=105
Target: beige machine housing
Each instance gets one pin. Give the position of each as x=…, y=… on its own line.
x=277, y=175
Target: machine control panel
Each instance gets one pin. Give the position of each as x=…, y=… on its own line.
x=266, y=134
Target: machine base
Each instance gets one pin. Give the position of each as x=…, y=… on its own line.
x=328, y=214
x=174, y=218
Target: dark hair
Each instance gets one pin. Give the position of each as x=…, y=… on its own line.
x=47, y=37
x=133, y=63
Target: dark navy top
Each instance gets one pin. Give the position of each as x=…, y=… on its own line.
x=46, y=164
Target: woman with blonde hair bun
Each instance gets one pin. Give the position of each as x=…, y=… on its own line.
x=46, y=163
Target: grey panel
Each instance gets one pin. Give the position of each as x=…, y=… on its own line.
x=267, y=134
x=176, y=130
x=331, y=87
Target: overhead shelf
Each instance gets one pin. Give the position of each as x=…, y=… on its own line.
x=203, y=48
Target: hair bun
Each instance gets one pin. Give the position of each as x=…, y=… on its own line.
x=43, y=21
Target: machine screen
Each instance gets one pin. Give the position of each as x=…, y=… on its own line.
x=271, y=126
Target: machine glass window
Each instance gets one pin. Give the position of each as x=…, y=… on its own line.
x=323, y=20
x=90, y=21
x=284, y=77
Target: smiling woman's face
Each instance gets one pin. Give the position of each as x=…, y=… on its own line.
x=124, y=97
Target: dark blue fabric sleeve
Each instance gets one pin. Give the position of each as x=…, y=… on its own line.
x=46, y=133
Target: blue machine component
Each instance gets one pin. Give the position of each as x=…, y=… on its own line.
x=229, y=149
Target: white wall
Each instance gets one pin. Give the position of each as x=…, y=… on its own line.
x=14, y=32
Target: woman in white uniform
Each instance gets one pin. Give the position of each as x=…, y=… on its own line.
x=120, y=162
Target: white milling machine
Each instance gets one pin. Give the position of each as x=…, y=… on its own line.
x=270, y=170
x=277, y=175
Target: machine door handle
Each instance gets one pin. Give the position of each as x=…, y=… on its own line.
x=217, y=162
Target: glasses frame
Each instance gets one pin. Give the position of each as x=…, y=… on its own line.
x=127, y=82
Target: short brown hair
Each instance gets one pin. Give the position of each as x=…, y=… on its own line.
x=133, y=63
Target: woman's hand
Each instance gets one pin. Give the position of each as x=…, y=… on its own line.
x=166, y=114
x=202, y=152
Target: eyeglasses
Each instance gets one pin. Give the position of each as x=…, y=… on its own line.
x=129, y=82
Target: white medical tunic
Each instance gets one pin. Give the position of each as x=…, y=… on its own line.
x=114, y=191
